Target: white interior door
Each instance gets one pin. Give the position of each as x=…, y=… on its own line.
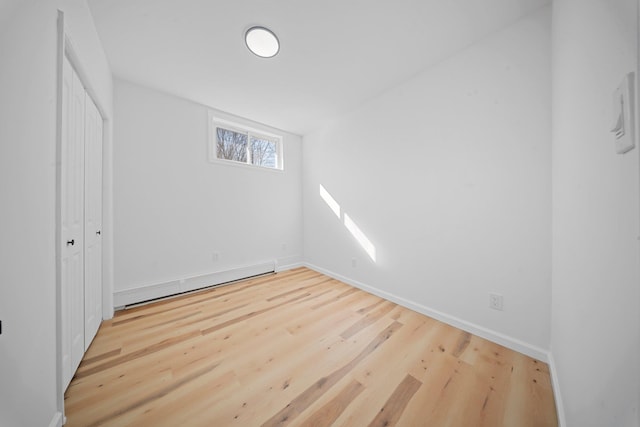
x=72, y=221
x=93, y=221
x=67, y=85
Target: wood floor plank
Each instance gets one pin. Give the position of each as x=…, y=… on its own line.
x=252, y=314
x=388, y=366
x=392, y=410
x=124, y=358
x=369, y=319
x=180, y=406
x=281, y=380
x=153, y=396
x=322, y=385
x=299, y=348
x=331, y=410
x=280, y=375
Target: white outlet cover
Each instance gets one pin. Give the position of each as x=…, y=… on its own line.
x=496, y=301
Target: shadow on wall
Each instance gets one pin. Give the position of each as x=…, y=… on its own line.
x=349, y=224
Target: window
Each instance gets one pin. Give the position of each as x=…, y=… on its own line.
x=234, y=142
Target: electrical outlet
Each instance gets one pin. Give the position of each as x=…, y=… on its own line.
x=354, y=262
x=215, y=257
x=495, y=301
x=284, y=247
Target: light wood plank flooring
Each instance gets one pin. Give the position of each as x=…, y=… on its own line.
x=299, y=348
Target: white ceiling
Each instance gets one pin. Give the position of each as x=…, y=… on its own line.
x=335, y=54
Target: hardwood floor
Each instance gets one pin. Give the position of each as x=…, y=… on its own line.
x=299, y=348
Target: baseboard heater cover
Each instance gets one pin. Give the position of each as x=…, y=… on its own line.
x=174, y=287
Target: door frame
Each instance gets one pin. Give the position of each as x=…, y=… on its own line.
x=65, y=46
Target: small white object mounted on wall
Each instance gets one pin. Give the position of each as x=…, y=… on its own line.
x=624, y=115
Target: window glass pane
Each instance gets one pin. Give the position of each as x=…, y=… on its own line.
x=231, y=145
x=264, y=152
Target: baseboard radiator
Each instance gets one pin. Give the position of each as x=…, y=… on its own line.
x=150, y=292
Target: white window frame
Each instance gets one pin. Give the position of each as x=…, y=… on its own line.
x=216, y=122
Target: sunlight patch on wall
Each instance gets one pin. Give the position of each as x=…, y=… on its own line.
x=330, y=201
x=349, y=224
x=360, y=237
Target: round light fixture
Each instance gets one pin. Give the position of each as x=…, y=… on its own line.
x=262, y=42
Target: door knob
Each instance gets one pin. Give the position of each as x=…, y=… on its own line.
x=98, y=233
x=71, y=242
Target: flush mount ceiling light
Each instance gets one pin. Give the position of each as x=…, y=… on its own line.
x=262, y=42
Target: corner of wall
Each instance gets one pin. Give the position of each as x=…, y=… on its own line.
x=555, y=384
x=289, y=263
x=57, y=420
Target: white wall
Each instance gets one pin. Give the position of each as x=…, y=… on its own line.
x=596, y=294
x=28, y=46
x=448, y=175
x=174, y=209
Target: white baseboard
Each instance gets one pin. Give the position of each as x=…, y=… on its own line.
x=159, y=290
x=56, y=421
x=488, y=334
x=555, y=384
